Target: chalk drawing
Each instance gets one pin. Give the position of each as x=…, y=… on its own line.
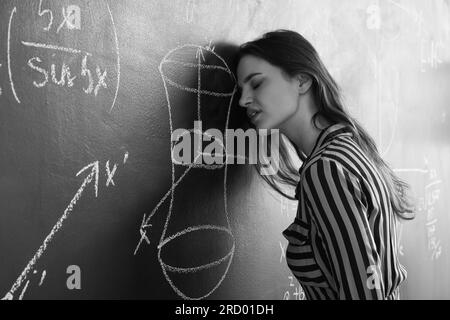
x=8, y=50
x=93, y=175
x=198, y=53
x=54, y=47
x=44, y=273
x=24, y=290
x=118, y=57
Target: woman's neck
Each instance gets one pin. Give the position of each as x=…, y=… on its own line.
x=301, y=130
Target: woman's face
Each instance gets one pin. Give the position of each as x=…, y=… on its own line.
x=267, y=91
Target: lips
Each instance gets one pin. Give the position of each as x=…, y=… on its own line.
x=252, y=113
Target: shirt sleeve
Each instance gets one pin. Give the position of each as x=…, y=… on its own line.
x=339, y=209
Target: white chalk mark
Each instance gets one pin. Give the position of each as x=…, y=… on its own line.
x=196, y=65
x=433, y=184
x=101, y=80
x=412, y=170
x=190, y=11
x=8, y=296
x=202, y=154
x=118, y=57
x=110, y=174
x=53, y=47
x=200, y=54
x=283, y=252
x=9, y=56
x=92, y=175
x=44, y=273
x=125, y=157
x=85, y=72
x=42, y=12
x=143, y=232
x=179, y=86
x=24, y=290
x=35, y=271
x=71, y=18
x=94, y=170
x=209, y=47
x=199, y=83
x=64, y=20
x=202, y=267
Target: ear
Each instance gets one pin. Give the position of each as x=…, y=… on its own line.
x=304, y=83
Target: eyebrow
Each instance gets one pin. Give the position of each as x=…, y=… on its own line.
x=247, y=78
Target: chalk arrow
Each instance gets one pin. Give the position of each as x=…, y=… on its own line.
x=199, y=54
x=92, y=175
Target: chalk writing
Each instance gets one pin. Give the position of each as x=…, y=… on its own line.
x=283, y=252
x=295, y=291
x=430, y=54
x=432, y=195
x=190, y=9
x=48, y=13
x=427, y=204
x=36, y=63
x=110, y=174
x=288, y=207
x=72, y=19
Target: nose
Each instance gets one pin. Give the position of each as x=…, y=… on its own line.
x=245, y=100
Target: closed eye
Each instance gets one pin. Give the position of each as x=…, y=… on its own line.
x=255, y=86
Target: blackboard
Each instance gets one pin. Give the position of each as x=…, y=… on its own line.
x=92, y=206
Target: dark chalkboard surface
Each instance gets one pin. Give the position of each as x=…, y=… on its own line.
x=91, y=205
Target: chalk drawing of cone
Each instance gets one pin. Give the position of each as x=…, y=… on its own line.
x=197, y=245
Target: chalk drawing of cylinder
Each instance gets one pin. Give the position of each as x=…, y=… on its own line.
x=195, y=257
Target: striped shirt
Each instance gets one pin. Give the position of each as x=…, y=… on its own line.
x=343, y=241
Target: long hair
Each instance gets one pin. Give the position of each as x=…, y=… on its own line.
x=293, y=54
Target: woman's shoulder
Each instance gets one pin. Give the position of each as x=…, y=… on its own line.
x=342, y=154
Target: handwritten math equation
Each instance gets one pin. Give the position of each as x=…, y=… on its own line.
x=294, y=290
x=48, y=63
x=432, y=49
x=427, y=205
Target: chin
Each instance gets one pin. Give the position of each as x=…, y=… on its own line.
x=263, y=125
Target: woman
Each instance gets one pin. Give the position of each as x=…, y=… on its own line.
x=342, y=243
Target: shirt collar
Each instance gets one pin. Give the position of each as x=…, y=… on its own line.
x=327, y=134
